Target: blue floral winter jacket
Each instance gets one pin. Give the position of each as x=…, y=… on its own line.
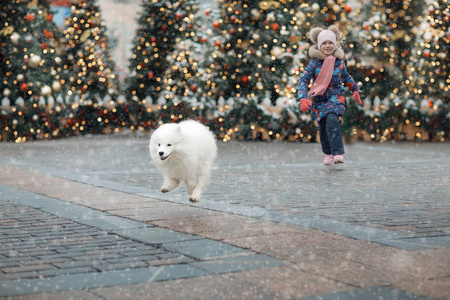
x=333, y=100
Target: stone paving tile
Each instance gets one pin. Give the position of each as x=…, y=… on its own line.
x=350, y=272
x=437, y=288
x=65, y=295
x=204, y=249
x=295, y=246
x=224, y=226
x=155, y=235
x=238, y=263
x=372, y=293
x=207, y=287
x=162, y=210
x=289, y=282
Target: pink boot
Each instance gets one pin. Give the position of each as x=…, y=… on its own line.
x=328, y=160
x=338, y=159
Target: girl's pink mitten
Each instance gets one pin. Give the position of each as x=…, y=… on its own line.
x=357, y=98
x=305, y=104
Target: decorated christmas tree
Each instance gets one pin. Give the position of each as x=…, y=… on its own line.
x=381, y=45
x=31, y=62
x=429, y=71
x=91, y=70
x=161, y=25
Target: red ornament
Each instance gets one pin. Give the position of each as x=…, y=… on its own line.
x=245, y=79
x=193, y=87
x=232, y=31
x=49, y=17
x=426, y=53
x=164, y=28
x=207, y=12
x=150, y=75
x=217, y=43
x=203, y=40
x=153, y=39
x=44, y=46
x=24, y=87
x=48, y=34
x=141, y=64
x=179, y=16
x=365, y=27
x=275, y=26
x=348, y=9
x=30, y=17
x=233, y=19
x=216, y=24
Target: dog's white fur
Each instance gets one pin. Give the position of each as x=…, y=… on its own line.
x=184, y=152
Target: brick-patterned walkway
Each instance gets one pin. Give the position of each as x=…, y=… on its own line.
x=35, y=244
x=274, y=224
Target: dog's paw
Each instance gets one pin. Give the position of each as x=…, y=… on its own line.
x=194, y=199
x=164, y=190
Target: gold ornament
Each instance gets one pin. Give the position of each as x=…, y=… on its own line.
x=32, y=4
x=243, y=45
x=85, y=35
x=315, y=7
x=265, y=5
x=255, y=15
x=7, y=30
x=301, y=17
x=56, y=86
x=46, y=90
x=15, y=38
x=34, y=61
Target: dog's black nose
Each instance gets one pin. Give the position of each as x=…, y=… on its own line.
x=161, y=153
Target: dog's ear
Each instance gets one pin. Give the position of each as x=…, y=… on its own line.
x=314, y=33
x=178, y=129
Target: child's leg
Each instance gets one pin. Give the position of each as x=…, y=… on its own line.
x=334, y=134
x=324, y=137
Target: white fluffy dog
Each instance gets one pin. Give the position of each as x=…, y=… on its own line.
x=184, y=151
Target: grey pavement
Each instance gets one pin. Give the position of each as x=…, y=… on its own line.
x=390, y=192
x=394, y=195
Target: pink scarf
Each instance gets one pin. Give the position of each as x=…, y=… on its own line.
x=324, y=78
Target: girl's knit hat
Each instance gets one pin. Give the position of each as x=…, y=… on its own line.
x=319, y=35
x=326, y=35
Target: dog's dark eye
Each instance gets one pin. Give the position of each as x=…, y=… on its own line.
x=159, y=145
x=169, y=145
